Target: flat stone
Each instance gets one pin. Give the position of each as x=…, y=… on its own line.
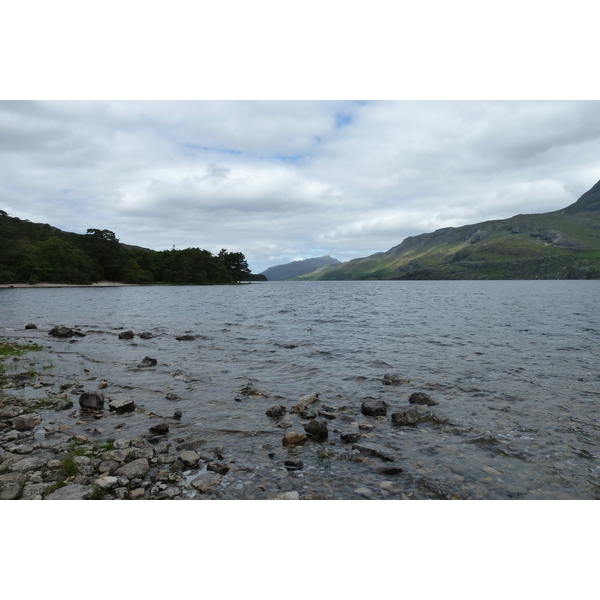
x=122, y=405
x=206, y=482
x=71, y=492
x=287, y=496
x=218, y=467
x=294, y=437
x=376, y=450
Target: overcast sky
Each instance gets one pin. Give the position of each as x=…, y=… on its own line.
x=283, y=180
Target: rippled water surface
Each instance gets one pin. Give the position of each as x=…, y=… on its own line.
x=513, y=366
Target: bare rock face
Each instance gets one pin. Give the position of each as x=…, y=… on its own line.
x=93, y=400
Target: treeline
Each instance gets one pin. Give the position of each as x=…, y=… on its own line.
x=35, y=253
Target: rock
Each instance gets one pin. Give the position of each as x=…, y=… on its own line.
x=136, y=469
x=287, y=496
x=160, y=428
x=177, y=415
x=250, y=390
x=326, y=414
x=189, y=458
x=121, y=405
x=293, y=437
x=285, y=424
x=61, y=331
x=392, y=379
x=30, y=326
x=146, y=335
x=126, y=335
x=406, y=417
x=71, y=492
x=206, y=482
x=147, y=362
x=107, y=466
x=66, y=405
x=374, y=408
x=186, y=338
x=93, y=400
x=293, y=464
x=351, y=437
x=276, y=411
x=389, y=470
x=106, y=483
x=11, y=485
x=376, y=450
x=25, y=422
x=103, y=385
x=217, y=467
x=171, y=396
x=317, y=428
x=422, y=398
x=304, y=402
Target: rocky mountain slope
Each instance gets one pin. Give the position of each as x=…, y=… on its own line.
x=563, y=244
x=298, y=267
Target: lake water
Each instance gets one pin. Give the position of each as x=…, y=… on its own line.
x=512, y=364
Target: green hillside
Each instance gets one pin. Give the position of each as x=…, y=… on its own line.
x=564, y=244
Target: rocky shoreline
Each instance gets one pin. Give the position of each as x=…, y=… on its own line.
x=67, y=446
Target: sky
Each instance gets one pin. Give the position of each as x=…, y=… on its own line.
x=287, y=180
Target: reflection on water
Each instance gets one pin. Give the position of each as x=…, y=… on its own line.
x=513, y=366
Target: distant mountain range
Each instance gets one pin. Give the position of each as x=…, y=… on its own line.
x=298, y=267
x=564, y=244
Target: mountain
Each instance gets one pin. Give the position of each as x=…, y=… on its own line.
x=298, y=267
x=564, y=244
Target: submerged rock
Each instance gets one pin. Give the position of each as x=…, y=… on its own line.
x=350, y=437
x=146, y=335
x=276, y=411
x=406, y=417
x=147, y=362
x=422, y=398
x=376, y=450
x=61, y=331
x=392, y=379
x=186, y=338
x=206, y=482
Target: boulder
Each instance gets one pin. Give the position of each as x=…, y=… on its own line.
x=317, y=428
x=374, y=408
x=422, y=398
x=126, y=335
x=136, y=469
x=276, y=411
x=189, y=458
x=25, y=422
x=146, y=335
x=11, y=485
x=30, y=326
x=406, y=417
x=93, y=400
x=147, y=362
x=71, y=492
x=121, y=405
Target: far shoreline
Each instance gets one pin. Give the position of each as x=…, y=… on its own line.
x=61, y=285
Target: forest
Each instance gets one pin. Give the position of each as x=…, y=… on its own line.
x=39, y=253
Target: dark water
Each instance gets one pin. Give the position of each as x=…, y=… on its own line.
x=513, y=365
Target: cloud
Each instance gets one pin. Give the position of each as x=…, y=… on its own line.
x=284, y=180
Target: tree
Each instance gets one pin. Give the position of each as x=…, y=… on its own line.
x=104, y=248
x=236, y=264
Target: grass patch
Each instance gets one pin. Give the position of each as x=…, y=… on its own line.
x=69, y=467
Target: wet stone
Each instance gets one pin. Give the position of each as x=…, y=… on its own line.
x=393, y=379
x=93, y=400
x=374, y=408
x=422, y=398
x=160, y=428
x=406, y=417
x=276, y=411
x=207, y=482
x=217, y=467
x=316, y=428
x=121, y=405
x=293, y=437
x=147, y=362
x=189, y=458
x=126, y=335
